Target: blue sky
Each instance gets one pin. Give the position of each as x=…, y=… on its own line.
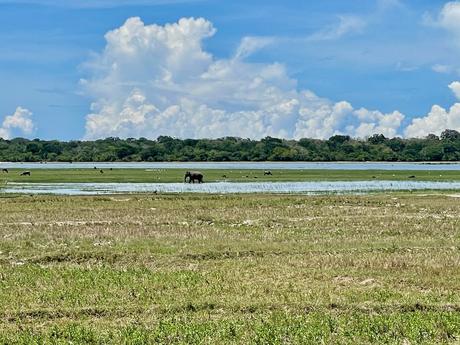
x=362, y=60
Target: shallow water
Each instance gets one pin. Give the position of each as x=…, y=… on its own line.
x=225, y=187
x=241, y=165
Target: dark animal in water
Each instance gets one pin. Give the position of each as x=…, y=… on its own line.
x=224, y=176
x=267, y=172
x=193, y=176
x=101, y=171
x=111, y=169
x=25, y=173
x=412, y=176
x=95, y=168
x=5, y=171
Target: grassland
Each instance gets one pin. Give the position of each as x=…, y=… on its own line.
x=241, y=269
x=176, y=175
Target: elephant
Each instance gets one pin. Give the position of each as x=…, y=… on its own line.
x=193, y=176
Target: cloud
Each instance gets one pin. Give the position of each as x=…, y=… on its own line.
x=438, y=119
x=251, y=44
x=18, y=123
x=4, y=134
x=439, y=68
x=377, y=122
x=153, y=80
x=347, y=24
x=455, y=87
x=449, y=17
x=403, y=66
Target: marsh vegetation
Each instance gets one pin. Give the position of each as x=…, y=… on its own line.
x=116, y=175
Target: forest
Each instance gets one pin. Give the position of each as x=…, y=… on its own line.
x=445, y=147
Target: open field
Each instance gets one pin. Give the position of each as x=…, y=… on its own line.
x=241, y=269
x=177, y=175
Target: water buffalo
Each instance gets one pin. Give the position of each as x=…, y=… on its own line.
x=193, y=176
x=5, y=170
x=25, y=173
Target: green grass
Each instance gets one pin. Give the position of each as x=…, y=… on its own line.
x=238, y=269
x=176, y=175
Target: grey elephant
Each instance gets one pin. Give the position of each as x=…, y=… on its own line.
x=193, y=176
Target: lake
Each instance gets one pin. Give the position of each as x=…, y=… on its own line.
x=242, y=165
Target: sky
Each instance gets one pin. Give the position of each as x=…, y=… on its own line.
x=89, y=69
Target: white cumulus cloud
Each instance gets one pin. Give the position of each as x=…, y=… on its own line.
x=455, y=87
x=19, y=123
x=438, y=119
x=153, y=80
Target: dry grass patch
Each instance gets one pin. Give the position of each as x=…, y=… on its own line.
x=232, y=269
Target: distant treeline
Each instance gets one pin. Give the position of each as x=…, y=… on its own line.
x=337, y=148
